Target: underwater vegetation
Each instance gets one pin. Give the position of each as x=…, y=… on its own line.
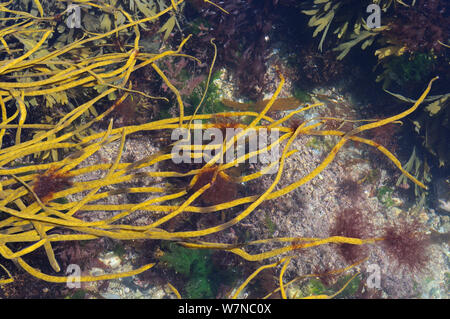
x=193, y=264
x=198, y=267
x=240, y=27
x=420, y=26
x=87, y=80
x=410, y=45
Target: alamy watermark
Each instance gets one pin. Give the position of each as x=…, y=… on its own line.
x=226, y=145
x=374, y=279
x=74, y=19
x=74, y=274
x=374, y=19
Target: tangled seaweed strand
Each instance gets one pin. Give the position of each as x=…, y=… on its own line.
x=33, y=222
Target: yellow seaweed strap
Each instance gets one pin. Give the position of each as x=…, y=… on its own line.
x=178, y=211
x=260, y=173
x=343, y=140
x=207, y=82
x=8, y=280
x=269, y=104
x=217, y=6
x=174, y=4
x=4, y=120
x=57, y=279
x=253, y=275
x=74, y=159
x=135, y=207
x=335, y=294
x=245, y=157
x=23, y=114
x=283, y=269
x=63, y=123
x=174, y=290
x=100, y=36
x=131, y=66
x=21, y=13
x=255, y=121
x=5, y=252
x=287, y=117
x=87, y=198
x=246, y=212
x=314, y=242
x=47, y=245
x=7, y=66
x=66, y=74
x=173, y=89
x=332, y=272
x=13, y=28
x=39, y=7
x=379, y=147
x=135, y=27
x=395, y=117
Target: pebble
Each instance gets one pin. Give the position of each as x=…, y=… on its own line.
x=157, y=293
x=96, y=272
x=423, y=217
x=138, y=294
x=397, y=201
x=111, y=260
x=395, y=211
